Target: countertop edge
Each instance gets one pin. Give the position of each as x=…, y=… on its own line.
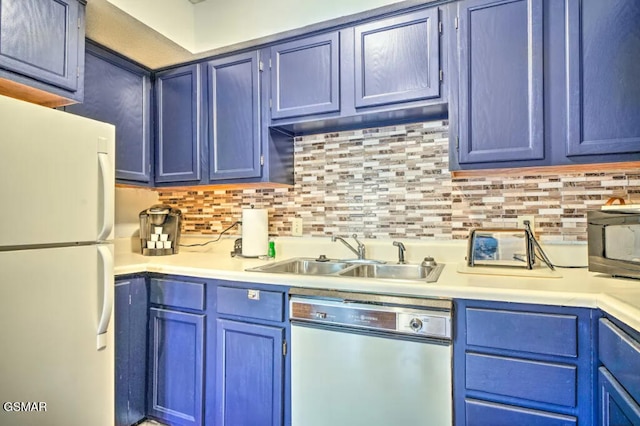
x=610, y=304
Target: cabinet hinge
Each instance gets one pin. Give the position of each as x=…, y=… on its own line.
x=77, y=72
x=270, y=103
x=262, y=160
x=441, y=75
x=440, y=27
x=284, y=348
x=457, y=144
x=260, y=66
x=129, y=299
x=457, y=22
x=79, y=23
x=269, y=63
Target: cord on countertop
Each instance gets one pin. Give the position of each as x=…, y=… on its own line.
x=566, y=266
x=212, y=241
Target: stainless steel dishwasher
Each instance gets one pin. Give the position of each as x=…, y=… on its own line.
x=369, y=360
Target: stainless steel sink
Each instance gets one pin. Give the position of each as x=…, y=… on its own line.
x=394, y=271
x=303, y=266
x=352, y=268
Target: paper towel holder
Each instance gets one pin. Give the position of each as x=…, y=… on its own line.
x=255, y=232
x=237, y=250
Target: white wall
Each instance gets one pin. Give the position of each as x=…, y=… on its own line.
x=175, y=19
x=217, y=23
x=129, y=203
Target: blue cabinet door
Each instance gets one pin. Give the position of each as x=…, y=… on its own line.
x=603, y=64
x=121, y=322
x=537, y=370
x=249, y=374
x=397, y=59
x=233, y=114
x=39, y=39
x=305, y=76
x=617, y=407
x=483, y=413
x=500, y=80
x=178, y=107
x=130, y=317
x=176, y=367
x=118, y=91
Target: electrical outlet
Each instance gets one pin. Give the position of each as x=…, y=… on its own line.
x=531, y=220
x=296, y=227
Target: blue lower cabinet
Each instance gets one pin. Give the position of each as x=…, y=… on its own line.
x=249, y=374
x=544, y=382
x=619, y=352
x=617, y=407
x=523, y=364
x=176, y=366
x=482, y=413
x=130, y=318
x=121, y=319
x=619, y=375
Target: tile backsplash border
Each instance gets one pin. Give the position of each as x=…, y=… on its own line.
x=394, y=182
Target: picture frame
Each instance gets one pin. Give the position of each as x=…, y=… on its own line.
x=506, y=247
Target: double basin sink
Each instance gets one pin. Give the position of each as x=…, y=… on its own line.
x=352, y=268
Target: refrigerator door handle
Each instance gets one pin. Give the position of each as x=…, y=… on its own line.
x=107, y=297
x=108, y=195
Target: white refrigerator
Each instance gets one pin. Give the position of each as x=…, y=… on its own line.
x=56, y=267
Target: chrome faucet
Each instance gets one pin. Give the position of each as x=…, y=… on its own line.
x=360, y=252
x=401, y=250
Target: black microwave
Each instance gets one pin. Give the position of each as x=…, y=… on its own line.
x=613, y=238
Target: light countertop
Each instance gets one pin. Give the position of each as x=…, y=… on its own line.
x=576, y=287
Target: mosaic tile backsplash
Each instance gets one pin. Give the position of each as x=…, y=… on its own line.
x=394, y=182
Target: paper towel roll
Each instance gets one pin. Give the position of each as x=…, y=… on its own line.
x=255, y=232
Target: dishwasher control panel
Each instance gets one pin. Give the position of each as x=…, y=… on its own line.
x=393, y=319
x=425, y=324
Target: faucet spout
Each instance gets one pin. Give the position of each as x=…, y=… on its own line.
x=360, y=251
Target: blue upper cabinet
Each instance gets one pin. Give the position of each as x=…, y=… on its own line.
x=500, y=80
x=42, y=46
x=603, y=65
x=305, y=76
x=397, y=59
x=233, y=107
x=178, y=148
x=118, y=91
x=382, y=71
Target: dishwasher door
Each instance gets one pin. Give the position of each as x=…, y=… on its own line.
x=347, y=379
